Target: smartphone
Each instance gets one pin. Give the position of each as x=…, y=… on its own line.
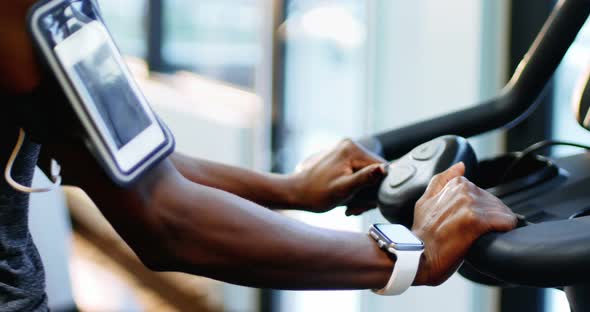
x=120, y=128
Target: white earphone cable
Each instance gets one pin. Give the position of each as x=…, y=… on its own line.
x=55, y=170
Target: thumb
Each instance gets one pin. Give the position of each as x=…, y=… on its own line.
x=367, y=176
x=440, y=180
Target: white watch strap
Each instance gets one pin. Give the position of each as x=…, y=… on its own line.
x=404, y=272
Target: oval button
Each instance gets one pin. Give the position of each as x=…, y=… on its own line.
x=400, y=174
x=426, y=151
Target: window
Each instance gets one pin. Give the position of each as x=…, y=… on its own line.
x=324, y=75
x=568, y=74
x=219, y=39
x=324, y=100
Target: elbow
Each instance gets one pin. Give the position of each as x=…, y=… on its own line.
x=153, y=245
x=154, y=253
x=160, y=254
x=156, y=261
x=161, y=247
x=168, y=251
x=170, y=239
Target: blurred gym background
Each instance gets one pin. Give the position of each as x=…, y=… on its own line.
x=263, y=84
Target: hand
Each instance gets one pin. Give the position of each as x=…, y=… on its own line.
x=449, y=217
x=333, y=178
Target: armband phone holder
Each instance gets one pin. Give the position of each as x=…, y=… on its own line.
x=88, y=93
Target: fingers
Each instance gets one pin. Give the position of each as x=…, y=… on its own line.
x=490, y=212
x=310, y=161
x=369, y=175
x=364, y=159
x=500, y=221
x=357, y=211
x=497, y=215
x=442, y=179
x=364, y=200
x=359, y=156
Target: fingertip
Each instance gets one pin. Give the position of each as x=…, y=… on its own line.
x=356, y=211
x=380, y=169
x=350, y=212
x=460, y=166
x=505, y=222
x=376, y=173
x=515, y=221
x=455, y=171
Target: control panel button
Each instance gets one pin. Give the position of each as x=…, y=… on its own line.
x=426, y=151
x=400, y=174
x=381, y=243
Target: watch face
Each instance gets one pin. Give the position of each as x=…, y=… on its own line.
x=399, y=237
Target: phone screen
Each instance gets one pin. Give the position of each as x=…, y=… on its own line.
x=112, y=95
x=90, y=58
x=110, y=101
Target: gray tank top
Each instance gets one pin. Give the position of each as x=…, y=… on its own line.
x=22, y=279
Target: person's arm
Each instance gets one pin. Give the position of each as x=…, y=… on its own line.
x=324, y=183
x=174, y=224
x=267, y=189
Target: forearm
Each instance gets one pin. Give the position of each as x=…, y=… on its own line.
x=274, y=191
x=234, y=240
x=176, y=225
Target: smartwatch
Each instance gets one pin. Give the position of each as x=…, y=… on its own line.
x=406, y=247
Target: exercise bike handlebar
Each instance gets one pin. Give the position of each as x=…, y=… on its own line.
x=515, y=101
